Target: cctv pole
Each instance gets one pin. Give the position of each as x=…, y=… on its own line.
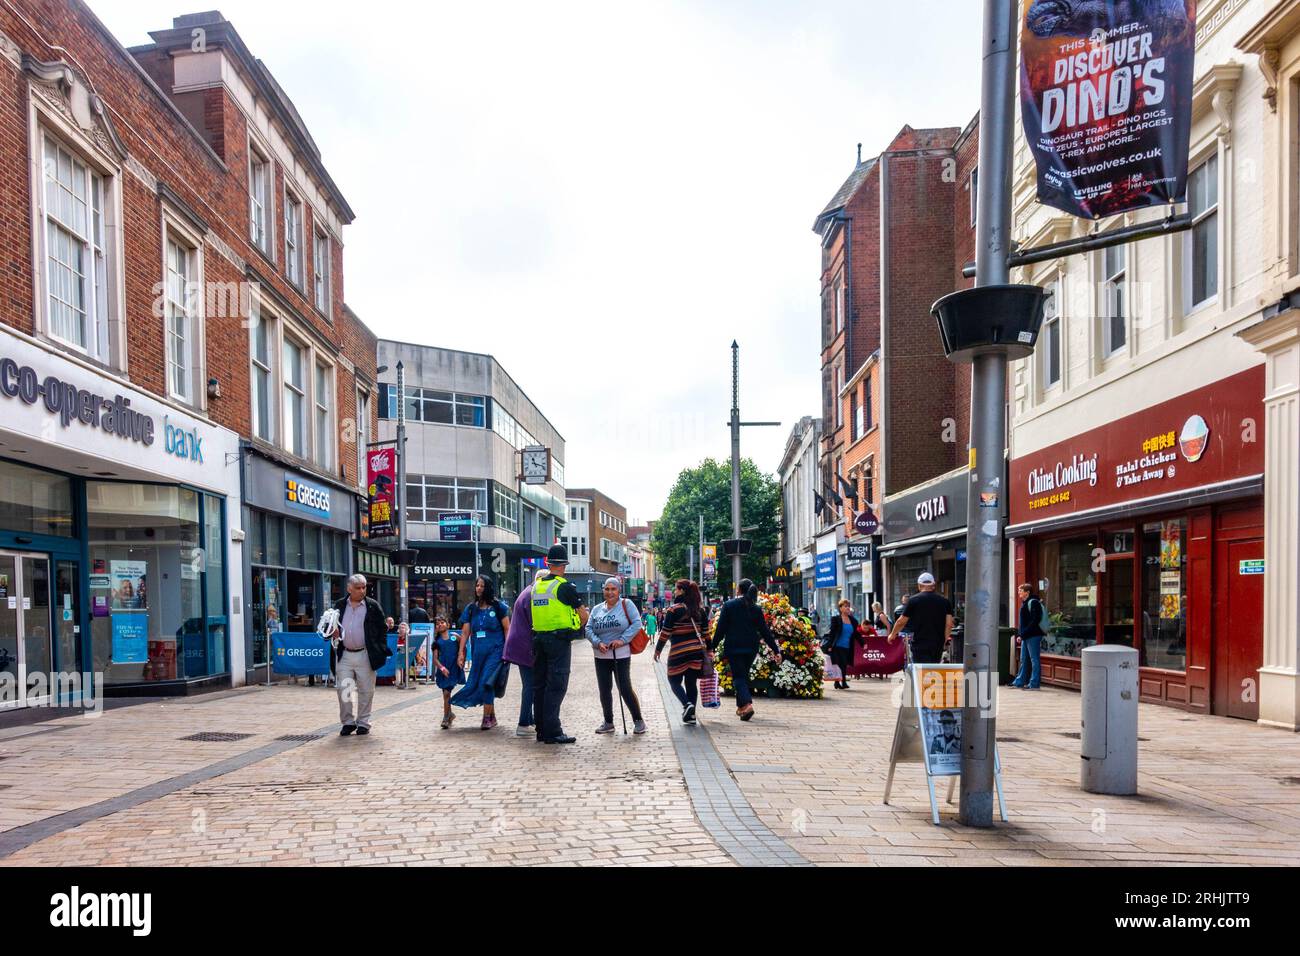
x=701, y=552
x=988, y=419
x=401, y=513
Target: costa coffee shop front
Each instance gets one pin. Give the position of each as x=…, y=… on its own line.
x=1149, y=532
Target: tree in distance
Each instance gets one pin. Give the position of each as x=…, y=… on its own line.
x=706, y=490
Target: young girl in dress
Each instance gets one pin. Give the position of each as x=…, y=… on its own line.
x=447, y=672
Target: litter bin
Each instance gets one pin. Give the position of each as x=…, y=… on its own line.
x=1108, y=736
x=1006, y=638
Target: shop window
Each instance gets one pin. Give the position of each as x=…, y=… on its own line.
x=1164, y=595
x=274, y=540
x=293, y=546
x=1069, y=589
x=150, y=587
x=35, y=502
x=311, y=548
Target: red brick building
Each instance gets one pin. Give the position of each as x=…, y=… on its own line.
x=894, y=239
x=182, y=381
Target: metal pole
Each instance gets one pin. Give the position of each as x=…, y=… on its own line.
x=701, y=517
x=690, y=561
x=401, y=512
x=735, y=459
x=988, y=419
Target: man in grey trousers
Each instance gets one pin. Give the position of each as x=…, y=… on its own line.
x=361, y=651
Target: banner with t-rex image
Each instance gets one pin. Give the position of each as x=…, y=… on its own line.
x=1106, y=101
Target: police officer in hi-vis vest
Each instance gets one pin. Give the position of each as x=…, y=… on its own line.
x=558, y=617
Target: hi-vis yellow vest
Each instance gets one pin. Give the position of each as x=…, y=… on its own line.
x=549, y=612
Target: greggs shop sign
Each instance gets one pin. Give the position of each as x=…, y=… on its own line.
x=1211, y=435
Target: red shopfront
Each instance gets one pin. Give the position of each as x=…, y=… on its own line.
x=1149, y=532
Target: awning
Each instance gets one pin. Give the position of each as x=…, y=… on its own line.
x=920, y=545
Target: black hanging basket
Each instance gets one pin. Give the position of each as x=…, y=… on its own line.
x=997, y=319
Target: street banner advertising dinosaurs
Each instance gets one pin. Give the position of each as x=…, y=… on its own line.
x=1106, y=101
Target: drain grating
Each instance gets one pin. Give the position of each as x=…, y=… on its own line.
x=299, y=738
x=1010, y=740
x=1073, y=734
x=216, y=737
x=1289, y=781
x=760, y=768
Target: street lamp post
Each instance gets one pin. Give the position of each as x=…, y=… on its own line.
x=736, y=424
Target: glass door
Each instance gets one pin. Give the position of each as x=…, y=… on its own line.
x=26, y=643
x=13, y=679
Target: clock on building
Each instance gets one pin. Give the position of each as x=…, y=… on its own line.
x=536, y=465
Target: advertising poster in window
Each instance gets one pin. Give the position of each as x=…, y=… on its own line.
x=129, y=583
x=1106, y=101
x=381, y=489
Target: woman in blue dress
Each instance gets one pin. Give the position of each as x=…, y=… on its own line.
x=484, y=623
x=447, y=671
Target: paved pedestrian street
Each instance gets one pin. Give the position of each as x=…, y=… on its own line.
x=801, y=783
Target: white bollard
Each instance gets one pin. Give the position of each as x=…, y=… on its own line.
x=1109, y=731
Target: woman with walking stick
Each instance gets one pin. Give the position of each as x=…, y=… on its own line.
x=610, y=629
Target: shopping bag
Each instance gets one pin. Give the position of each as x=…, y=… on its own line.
x=709, y=694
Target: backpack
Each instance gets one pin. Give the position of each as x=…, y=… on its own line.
x=1044, y=619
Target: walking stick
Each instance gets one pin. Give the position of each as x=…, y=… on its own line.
x=618, y=686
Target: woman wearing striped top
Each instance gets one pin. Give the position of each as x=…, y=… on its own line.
x=685, y=625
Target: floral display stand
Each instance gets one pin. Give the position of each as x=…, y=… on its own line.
x=803, y=667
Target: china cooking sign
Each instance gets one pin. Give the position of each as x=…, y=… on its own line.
x=1209, y=436
x=381, y=490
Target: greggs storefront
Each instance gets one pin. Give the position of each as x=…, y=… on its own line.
x=1149, y=532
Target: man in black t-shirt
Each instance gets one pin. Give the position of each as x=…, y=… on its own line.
x=928, y=615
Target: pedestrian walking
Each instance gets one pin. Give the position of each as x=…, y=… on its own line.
x=1029, y=636
x=519, y=651
x=484, y=624
x=928, y=616
x=610, y=629
x=685, y=627
x=558, y=618
x=841, y=637
x=651, y=623
x=361, y=650
x=741, y=625
x=442, y=650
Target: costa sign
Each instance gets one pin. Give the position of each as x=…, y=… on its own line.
x=1208, y=436
x=931, y=509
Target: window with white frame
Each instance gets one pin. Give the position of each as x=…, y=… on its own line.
x=320, y=270
x=1050, y=338
x=259, y=194
x=323, y=398
x=1114, y=260
x=505, y=508
x=363, y=433
x=293, y=238
x=72, y=203
x=839, y=306
x=294, y=397
x=263, y=335
x=974, y=195
x=183, y=314
x=427, y=495
x=1201, y=246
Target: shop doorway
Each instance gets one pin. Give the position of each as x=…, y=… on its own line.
x=26, y=635
x=1238, y=627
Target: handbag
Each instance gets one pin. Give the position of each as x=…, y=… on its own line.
x=640, y=640
x=710, y=696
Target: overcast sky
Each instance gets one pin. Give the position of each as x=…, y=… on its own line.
x=604, y=195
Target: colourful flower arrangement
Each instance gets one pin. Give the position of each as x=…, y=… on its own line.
x=802, y=667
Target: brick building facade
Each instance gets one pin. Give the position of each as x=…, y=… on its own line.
x=173, y=263
x=896, y=411
x=596, y=536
